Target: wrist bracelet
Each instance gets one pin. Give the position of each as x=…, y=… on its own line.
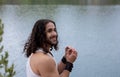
x=64, y=60
x=69, y=66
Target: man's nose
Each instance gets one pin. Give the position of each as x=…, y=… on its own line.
x=54, y=33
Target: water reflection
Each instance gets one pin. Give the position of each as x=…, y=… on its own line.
x=92, y=30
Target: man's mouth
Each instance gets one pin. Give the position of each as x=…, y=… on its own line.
x=54, y=37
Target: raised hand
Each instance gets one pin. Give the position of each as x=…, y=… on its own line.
x=70, y=54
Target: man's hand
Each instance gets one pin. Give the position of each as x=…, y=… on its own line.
x=70, y=54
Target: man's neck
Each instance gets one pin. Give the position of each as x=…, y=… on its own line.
x=49, y=48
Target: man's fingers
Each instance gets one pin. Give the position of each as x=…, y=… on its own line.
x=70, y=50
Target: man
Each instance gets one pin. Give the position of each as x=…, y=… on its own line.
x=38, y=50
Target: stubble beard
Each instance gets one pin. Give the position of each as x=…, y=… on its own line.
x=52, y=42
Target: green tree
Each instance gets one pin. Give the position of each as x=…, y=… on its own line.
x=5, y=70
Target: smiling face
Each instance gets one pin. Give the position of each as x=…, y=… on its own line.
x=51, y=34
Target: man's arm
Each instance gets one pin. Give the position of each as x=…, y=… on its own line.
x=48, y=68
x=61, y=67
x=70, y=53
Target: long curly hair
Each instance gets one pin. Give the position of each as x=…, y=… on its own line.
x=37, y=38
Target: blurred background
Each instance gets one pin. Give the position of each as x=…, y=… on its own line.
x=90, y=26
x=72, y=2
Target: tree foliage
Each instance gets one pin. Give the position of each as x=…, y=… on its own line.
x=5, y=70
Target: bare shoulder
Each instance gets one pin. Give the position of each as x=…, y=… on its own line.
x=46, y=59
x=47, y=66
x=43, y=60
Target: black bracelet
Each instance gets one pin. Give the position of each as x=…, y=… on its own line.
x=64, y=60
x=69, y=66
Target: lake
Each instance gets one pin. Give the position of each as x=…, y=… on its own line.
x=92, y=30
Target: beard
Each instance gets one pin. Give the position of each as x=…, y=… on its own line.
x=52, y=41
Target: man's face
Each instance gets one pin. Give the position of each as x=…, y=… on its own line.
x=51, y=34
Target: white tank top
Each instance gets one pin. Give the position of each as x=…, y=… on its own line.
x=29, y=71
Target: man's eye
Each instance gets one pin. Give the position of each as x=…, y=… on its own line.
x=49, y=30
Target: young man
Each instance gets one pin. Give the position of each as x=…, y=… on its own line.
x=38, y=50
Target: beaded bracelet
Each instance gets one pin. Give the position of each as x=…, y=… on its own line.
x=69, y=66
x=64, y=60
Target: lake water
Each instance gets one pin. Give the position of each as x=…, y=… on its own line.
x=92, y=30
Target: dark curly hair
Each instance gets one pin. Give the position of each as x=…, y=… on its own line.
x=37, y=38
